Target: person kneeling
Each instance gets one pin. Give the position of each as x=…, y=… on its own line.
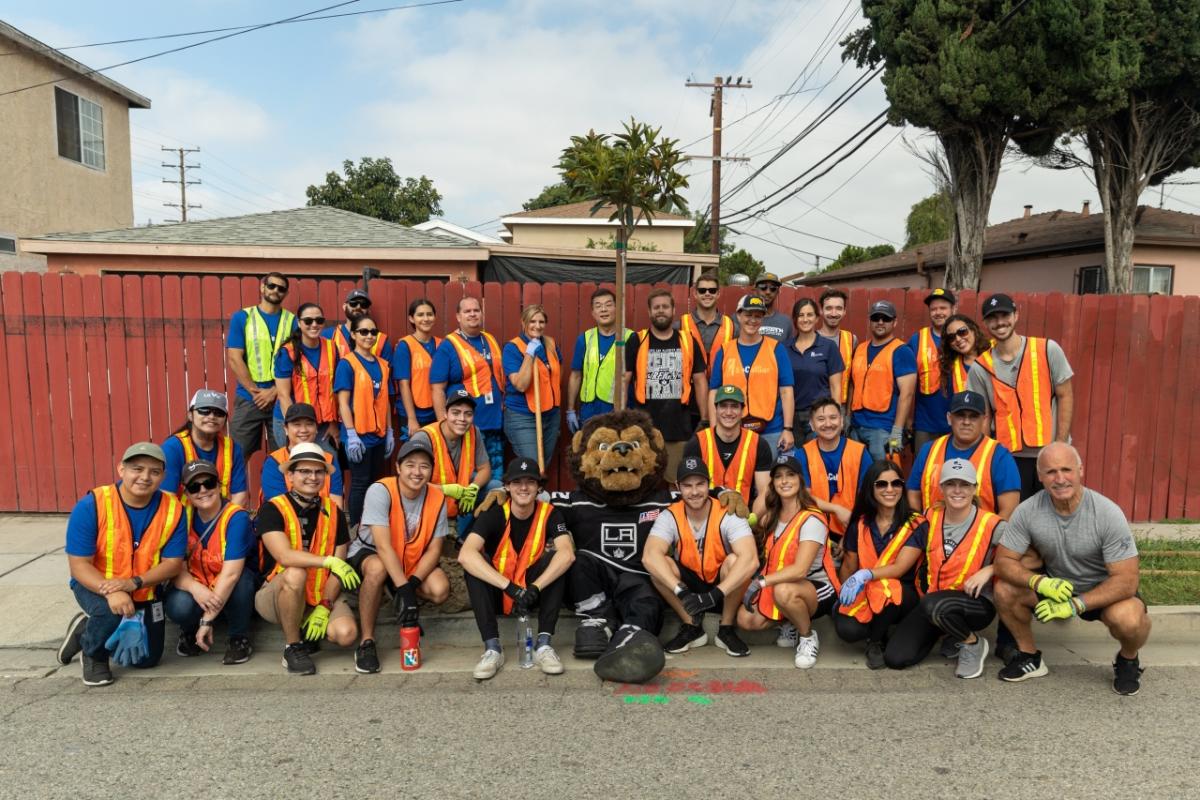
x=513, y=557
x=400, y=544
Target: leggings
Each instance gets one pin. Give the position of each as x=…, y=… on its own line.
x=952, y=612
x=371, y=468
x=487, y=600
x=875, y=630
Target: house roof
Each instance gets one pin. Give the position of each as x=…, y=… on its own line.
x=1037, y=234
x=22, y=39
x=447, y=229
x=581, y=213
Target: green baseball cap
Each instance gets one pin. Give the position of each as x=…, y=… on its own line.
x=731, y=394
x=148, y=449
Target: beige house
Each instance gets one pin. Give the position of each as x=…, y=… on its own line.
x=574, y=225
x=64, y=147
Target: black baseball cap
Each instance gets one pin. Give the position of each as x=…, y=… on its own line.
x=300, y=411
x=968, y=401
x=884, y=308
x=195, y=469
x=415, y=446
x=998, y=303
x=522, y=468
x=787, y=460
x=691, y=466
x=460, y=396
x=359, y=294
x=941, y=294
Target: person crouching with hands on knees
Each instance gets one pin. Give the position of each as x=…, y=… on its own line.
x=514, y=558
x=305, y=537
x=1090, y=572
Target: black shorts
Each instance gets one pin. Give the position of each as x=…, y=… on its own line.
x=693, y=581
x=1093, y=614
x=356, y=561
x=824, y=605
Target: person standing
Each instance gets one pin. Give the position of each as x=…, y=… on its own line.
x=299, y=427
x=412, y=359
x=256, y=334
x=962, y=343
x=595, y=363
x=833, y=304
x=202, y=438
x=834, y=467
x=361, y=383
x=528, y=357
x=304, y=371
x=816, y=366
x=776, y=323
x=883, y=375
x=461, y=468
x=710, y=327
x=1027, y=383
x=930, y=406
x=357, y=306
x=737, y=458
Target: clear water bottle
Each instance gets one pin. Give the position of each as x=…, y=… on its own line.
x=525, y=641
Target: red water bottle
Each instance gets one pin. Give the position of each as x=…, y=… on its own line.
x=410, y=648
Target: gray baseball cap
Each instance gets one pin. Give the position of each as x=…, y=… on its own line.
x=208, y=398
x=959, y=469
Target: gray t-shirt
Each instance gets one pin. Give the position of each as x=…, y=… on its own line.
x=813, y=530
x=455, y=448
x=1077, y=547
x=978, y=380
x=377, y=509
x=777, y=325
x=733, y=528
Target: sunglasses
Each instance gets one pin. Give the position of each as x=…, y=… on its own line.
x=312, y=320
x=276, y=287
x=708, y=290
x=201, y=485
x=895, y=483
x=210, y=412
x=881, y=318
x=359, y=304
x=367, y=331
x=961, y=333
x=767, y=287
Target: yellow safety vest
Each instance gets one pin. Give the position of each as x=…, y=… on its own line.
x=260, y=350
x=599, y=374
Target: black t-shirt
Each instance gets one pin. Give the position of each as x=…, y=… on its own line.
x=727, y=450
x=269, y=519
x=490, y=527
x=613, y=535
x=664, y=383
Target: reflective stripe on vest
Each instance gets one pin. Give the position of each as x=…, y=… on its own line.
x=549, y=378
x=738, y=475
x=724, y=334
x=224, y=462
x=687, y=346
x=371, y=411
x=847, y=477
x=965, y=560
x=874, y=383
x=323, y=542
x=599, y=374
x=420, y=363
x=707, y=564
x=929, y=374
x=409, y=551
x=345, y=345
x=780, y=552
x=513, y=565
x=878, y=592
x=846, y=348
x=315, y=385
x=981, y=459
x=1023, y=414
x=115, y=554
x=260, y=349
x=205, y=561
x=444, y=469
x=761, y=385
x=474, y=365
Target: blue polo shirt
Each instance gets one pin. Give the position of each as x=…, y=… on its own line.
x=904, y=362
x=82, y=529
x=343, y=381
x=748, y=352
x=236, y=337
x=284, y=368
x=603, y=345
x=812, y=368
x=833, y=462
x=447, y=369
x=511, y=358
x=273, y=483
x=173, y=450
x=1005, y=477
x=239, y=534
x=402, y=371
x=930, y=410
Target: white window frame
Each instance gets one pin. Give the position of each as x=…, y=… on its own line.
x=90, y=115
x=1152, y=270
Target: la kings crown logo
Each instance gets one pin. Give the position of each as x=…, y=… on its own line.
x=618, y=539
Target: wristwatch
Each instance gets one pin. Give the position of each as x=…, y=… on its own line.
x=205, y=623
x=787, y=428
x=137, y=582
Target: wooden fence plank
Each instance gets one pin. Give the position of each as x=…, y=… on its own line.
x=1145, y=354
x=193, y=339
x=61, y=476
x=9, y=399
x=156, y=358
x=103, y=454
x=1118, y=440
x=1167, y=424
x=172, y=314
x=118, y=367
x=77, y=376
x=38, y=416
x=135, y=357
x=213, y=323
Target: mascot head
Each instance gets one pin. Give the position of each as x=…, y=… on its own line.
x=618, y=458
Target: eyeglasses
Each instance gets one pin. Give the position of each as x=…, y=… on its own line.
x=309, y=473
x=276, y=287
x=961, y=333
x=367, y=331
x=708, y=290
x=895, y=483
x=312, y=320
x=881, y=318
x=210, y=412
x=201, y=485
x=767, y=287
x=359, y=303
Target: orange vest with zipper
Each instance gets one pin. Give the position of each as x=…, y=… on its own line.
x=1023, y=414
x=315, y=385
x=875, y=382
x=513, y=565
x=761, y=385
x=981, y=459
x=323, y=543
x=847, y=477
x=477, y=373
x=779, y=552
x=687, y=348
x=707, y=564
x=206, y=561
x=549, y=378
x=444, y=469
x=879, y=592
x=410, y=551
x=965, y=560
x=739, y=475
x=224, y=463
x=929, y=370
x=420, y=363
x=687, y=325
x=371, y=410
x=116, y=556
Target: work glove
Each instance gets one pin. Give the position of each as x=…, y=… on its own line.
x=696, y=603
x=734, y=503
x=895, y=440
x=516, y=592
x=470, y=493
x=355, y=449
x=1047, y=610
x=389, y=442
x=572, y=420
x=533, y=347
x=750, y=597
x=344, y=572
x=528, y=600
x=404, y=601
x=454, y=491
x=494, y=497
x=316, y=624
x=403, y=433
x=1052, y=588
x=853, y=585
x=128, y=643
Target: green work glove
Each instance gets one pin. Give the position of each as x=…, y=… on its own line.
x=454, y=491
x=1047, y=610
x=345, y=573
x=467, y=501
x=1052, y=588
x=316, y=624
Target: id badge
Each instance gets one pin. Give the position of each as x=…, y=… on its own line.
x=488, y=399
x=156, y=611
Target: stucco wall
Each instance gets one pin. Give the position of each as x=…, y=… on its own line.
x=668, y=240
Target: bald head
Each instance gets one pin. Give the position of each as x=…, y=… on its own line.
x=1060, y=469
x=1058, y=452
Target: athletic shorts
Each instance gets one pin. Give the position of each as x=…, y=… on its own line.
x=693, y=581
x=1093, y=614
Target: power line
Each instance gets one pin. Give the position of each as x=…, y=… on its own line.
x=778, y=244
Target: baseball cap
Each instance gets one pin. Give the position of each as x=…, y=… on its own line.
x=968, y=401
x=941, y=294
x=414, y=446
x=787, y=460
x=769, y=277
x=522, y=468
x=752, y=302
x=208, y=398
x=300, y=411
x=194, y=469
x=307, y=452
x=728, y=393
x=998, y=303
x=359, y=294
x=148, y=449
x=883, y=307
x=691, y=466
x=460, y=396
x=958, y=469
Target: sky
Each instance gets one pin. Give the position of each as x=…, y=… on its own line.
x=482, y=95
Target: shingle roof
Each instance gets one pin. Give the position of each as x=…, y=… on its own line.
x=581, y=210
x=23, y=39
x=314, y=226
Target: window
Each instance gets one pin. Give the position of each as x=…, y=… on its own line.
x=1147, y=279
x=7, y=244
x=1091, y=280
x=80, y=129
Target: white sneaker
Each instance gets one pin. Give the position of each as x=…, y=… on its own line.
x=807, y=648
x=787, y=636
x=547, y=660
x=487, y=667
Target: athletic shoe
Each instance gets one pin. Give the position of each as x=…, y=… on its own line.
x=807, y=648
x=547, y=660
x=298, y=661
x=186, y=647
x=71, y=645
x=728, y=640
x=875, y=656
x=591, y=637
x=971, y=658
x=238, y=651
x=787, y=636
x=487, y=667
x=1023, y=667
x=96, y=671
x=1127, y=675
x=311, y=646
x=689, y=636
x=366, y=660
x=948, y=647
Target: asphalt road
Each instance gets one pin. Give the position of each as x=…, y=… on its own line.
x=709, y=733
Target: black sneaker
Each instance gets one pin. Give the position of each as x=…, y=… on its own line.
x=875, y=655
x=298, y=661
x=948, y=648
x=1127, y=675
x=311, y=646
x=186, y=647
x=728, y=640
x=1007, y=651
x=1024, y=666
x=96, y=671
x=71, y=645
x=238, y=651
x=689, y=636
x=366, y=660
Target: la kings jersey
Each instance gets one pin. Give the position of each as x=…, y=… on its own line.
x=616, y=536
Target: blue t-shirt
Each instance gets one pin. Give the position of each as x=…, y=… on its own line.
x=284, y=368
x=511, y=358
x=343, y=381
x=82, y=530
x=402, y=370
x=748, y=352
x=385, y=352
x=239, y=534
x=931, y=409
x=812, y=368
x=273, y=483
x=833, y=462
x=173, y=450
x=904, y=362
x=1005, y=477
x=448, y=370
x=237, y=338
x=587, y=410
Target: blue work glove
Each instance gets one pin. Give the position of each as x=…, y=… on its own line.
x=895, y=440
x=572, y=420
x=533, y=348
x=853, y=585
x=389, y=442
x=403, y=433
x=750, y=596
x=128, y=642
x=355, y=449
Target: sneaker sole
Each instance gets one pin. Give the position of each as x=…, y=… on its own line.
x=72, y=641
x=785, y=644
x=728, y=651
x=234, y=662
x=982, y=660
x=1125, y=694
x=1037, y=673
x=804, y=666
x=108, y=682
x=554, y=668
x=699, y=641
x=362, y=671
x=485, y=676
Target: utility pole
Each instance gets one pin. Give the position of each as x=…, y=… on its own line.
x=183, y=182
x=718, y=86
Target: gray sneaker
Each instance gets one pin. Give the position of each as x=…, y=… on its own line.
x=971, y=658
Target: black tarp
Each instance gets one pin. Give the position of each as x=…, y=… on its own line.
x=502, y=269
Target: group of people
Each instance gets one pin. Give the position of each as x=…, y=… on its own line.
x=794, y=414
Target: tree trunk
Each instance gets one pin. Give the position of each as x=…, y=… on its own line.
x=973, y=156
x=619, y=391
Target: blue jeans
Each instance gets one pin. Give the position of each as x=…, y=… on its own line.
x=874, y=438
x=102, y=622
x=521, y=430
x=772, y=440
x=183, y=609
x=493, y=442
x=464, y=521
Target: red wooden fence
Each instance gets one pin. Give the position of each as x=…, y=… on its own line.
x=91, y=364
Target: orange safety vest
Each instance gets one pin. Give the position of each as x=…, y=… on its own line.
x=929, y=371
x=549, y=378
x=958, y=374
x=879, y=592
x=847, y=477
x=345, y=346
x=115, y=555
x=281, y=457
x=845, y=343
x=474, y=366
x=444, y=469
x=205, y=561
x=224, y=463
x=1024, y=415
x=707, y=564
x=965, y=560
x=324, y=540
x=315, y=387
x=371, y=412
x=420, y=362
x=513, y=565
x=761, y=385
x=981, y=459
x=687, y=347
x=410, y=552
x=687, y=325
x=874, y=382
x=779, y=552
x=739, y=475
